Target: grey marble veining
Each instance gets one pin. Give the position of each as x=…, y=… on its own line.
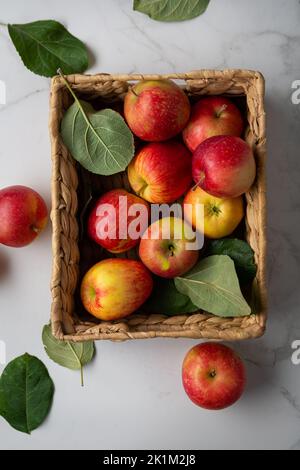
x=144, y=377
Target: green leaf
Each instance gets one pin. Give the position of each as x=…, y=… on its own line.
x=100, y=141
x=26, y=392
x=213, y=286
x=66, y=353
x=46, y=45
x=167, y=300
x=240, y=252
x=171, y=10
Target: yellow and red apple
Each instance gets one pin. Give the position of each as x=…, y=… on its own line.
x=23, y=215
x=114, y=288
x=117, y=220
x=161, y=172
x=224, y=166
x=213, y=376
x=211, y=116
x=156, y=110
x=168, y=247
x=214, y=217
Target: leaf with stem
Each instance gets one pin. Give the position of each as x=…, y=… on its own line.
x=66, y=353
x=99, y=140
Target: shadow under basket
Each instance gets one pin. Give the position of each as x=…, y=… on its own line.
x=70, y=254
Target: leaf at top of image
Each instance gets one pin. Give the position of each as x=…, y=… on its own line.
x=46, y=45
x=167, y=300
x=213, y=286
x=26, y=393
x=100, y=141
x=66, y=353
x=240, y=252
x=171, y=10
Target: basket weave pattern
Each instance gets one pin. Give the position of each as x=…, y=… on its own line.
x=65, y=322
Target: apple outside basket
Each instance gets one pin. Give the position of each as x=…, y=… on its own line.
x=73, y=254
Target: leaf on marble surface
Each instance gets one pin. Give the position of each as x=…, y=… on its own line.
x=26, y=393
x=46, y=45
x=66, y=353
x=171, y=10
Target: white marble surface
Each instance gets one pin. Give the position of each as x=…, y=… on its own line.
x=133, y=396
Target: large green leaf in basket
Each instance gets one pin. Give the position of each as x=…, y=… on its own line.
x=213, y=286
x=166, y=299
x=100, y=141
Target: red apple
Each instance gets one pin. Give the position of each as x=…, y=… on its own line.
x=115, y=288
x=117, y=220
x=156, y=110
x=224, y=166
x=161, y=172
x=167, y=247
x=213, y=376
x=212, y=116
x=23, y=215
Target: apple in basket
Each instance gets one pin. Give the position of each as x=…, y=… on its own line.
x=224, y=166
x=114, y=288
x=156, y=110
x=169, y=247
x=161, y=172
x=210, y=116
x=117, y=220
x=220, y=216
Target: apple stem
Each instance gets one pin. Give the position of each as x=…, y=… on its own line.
x=223, y=108
x=35, y=229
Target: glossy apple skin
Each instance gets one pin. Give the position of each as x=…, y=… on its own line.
x=221, y=216
x=161, y=172
x=114, y=288
x=212, y=116
x=224, y=166
x=23, y=215
x=115, y=197
x=213, y=376
x=164, y=251
x=156, y=110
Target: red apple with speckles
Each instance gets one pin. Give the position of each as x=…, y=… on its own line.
x=156, y=110
x=115, y=288
x=161, y=172
x=213, y=376
x=224, y=166
x=212, y=116
x=166, y=249
x=23, y=215
x=117, y=220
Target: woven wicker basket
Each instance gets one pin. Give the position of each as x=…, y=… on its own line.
x=70, y=184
